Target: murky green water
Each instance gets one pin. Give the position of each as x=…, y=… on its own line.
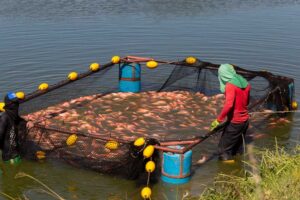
x=44, y=40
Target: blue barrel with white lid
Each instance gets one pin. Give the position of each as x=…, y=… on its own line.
x=130, y=77
x=176, y=168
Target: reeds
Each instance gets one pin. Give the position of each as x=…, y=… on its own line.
x=46, y=189
x=272, y=175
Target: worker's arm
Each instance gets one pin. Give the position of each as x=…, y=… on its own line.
x=229, y=101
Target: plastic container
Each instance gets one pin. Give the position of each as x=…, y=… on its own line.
x=176, y=168
x=130, y=78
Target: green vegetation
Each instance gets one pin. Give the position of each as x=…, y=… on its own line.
x=46, y=189
x=275, y=176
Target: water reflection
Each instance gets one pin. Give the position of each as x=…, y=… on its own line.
x=76, y=8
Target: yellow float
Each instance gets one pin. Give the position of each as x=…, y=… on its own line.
x=146, y=193
x=229, y=161
x=139, y=142
x=40, y=155
x=112, y=145
x=115, y=59
x=43, y=86
x=190, y=60
x=20, y=95
x=73, y=76
x=150, y=166
x=2, y=104
x=71, y=139
x=294, y=105
x=94, y=67
x=148, y=151
x=151, y=64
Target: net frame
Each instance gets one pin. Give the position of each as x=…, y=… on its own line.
x=279, y=95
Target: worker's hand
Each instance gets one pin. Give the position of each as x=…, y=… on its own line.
x=214, y=125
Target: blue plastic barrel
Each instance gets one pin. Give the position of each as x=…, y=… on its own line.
x=130, y=78
x=291, y=94
x=176, y=168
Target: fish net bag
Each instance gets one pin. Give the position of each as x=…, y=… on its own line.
x=177, y=102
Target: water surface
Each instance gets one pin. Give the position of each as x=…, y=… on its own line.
x=44, y=40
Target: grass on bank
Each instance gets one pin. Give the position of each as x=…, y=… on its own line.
x=274, y=175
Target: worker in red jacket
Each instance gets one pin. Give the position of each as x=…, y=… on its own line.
x=235, y=109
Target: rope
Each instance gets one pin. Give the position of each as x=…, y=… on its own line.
x=207, y=65
x=104, y=138
x=244, y=151
x=62, y=83
x=275, y=112
x=264, y=99
x=148, y=178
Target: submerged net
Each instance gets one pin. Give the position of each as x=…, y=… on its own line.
x=177, y=102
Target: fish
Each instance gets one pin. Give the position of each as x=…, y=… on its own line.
x=205, y=98
x=142, y=110
x=259, y=135
x=202, y=160
x=129, y=115
x=219, y=96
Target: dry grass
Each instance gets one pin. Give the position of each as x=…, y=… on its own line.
x=274, y=175
x=45, y=189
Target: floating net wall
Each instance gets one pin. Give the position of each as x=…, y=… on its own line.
x=177, y=102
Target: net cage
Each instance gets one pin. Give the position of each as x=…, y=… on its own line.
x=88, y=123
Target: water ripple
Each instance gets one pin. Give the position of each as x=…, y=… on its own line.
x=48, y=9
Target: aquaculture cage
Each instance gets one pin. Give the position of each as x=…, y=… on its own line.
x=85, y=120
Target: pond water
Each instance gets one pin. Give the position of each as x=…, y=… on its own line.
x=43, y=40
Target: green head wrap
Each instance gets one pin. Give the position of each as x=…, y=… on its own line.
x=226, y=73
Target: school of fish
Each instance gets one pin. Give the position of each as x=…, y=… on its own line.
x=158, y=115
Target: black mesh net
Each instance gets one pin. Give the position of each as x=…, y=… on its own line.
x=177, y=102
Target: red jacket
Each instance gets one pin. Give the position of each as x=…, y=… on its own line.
x=236, y=104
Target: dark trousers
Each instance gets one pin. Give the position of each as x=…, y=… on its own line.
x=232, y=139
